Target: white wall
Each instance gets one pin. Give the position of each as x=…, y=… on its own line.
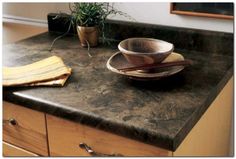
x=159, y=13
x=33, y=10
x=152, y=12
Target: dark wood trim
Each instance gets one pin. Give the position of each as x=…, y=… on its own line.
x=188, y=13
x=171, y=8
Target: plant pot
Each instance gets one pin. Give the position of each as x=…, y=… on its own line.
x=88, y=35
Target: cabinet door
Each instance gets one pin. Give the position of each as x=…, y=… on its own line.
x=13, y=151
x=65, y=138
x=25, y=128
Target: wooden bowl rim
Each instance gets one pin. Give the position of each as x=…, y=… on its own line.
x=123, y=50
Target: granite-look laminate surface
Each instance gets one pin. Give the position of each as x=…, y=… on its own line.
x=159, y=112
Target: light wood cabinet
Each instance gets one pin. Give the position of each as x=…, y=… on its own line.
x=13, y=151
x=65, y=138
x=25, y=128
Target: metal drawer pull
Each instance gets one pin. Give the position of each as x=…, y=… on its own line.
x=93, y=153
x=10, y=121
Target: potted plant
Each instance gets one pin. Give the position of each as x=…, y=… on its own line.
x=89, y=17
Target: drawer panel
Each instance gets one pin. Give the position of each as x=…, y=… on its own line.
x=28, y=129
x=65, y=136
x=13, y=151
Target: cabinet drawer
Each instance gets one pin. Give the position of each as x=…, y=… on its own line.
x=65, y=137
x=25, y=128
x=13, y=151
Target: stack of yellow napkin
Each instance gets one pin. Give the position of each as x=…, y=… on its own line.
x=47, y=72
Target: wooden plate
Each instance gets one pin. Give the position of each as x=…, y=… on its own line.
x=117, y=61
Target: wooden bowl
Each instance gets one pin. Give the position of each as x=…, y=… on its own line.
x=141, y=51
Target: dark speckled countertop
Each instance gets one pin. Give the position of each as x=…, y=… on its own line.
x=159, y=112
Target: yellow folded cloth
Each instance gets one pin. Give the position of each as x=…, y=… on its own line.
x=49, y=71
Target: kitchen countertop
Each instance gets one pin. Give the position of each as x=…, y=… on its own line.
x=159, y=112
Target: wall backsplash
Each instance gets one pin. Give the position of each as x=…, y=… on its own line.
x=182, y=38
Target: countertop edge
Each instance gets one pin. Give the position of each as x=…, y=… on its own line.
x=92, y=120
